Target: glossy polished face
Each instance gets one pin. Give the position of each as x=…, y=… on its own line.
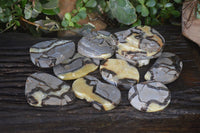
x=166, y=69
x=120, y=73
x=75, y=67
x=139, y=43
x=101, y=95
x=50, y=53
x=100, y=45
x=43, y=89
x=149, y=96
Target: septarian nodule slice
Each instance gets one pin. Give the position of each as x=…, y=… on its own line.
x=50, y=53
x=100, y=45
x=75, y=67
x=139, y=43
x=166, y=69
x=44, y=89
x=149, y=96
x=120, y=73
x=101, y=95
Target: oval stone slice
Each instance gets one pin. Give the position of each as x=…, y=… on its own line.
x=139, y=43
x=101, y=95
x=44, y=89
x=120, y=73
x=75, y=67
x=100, y=45
x=166, y=69
x=149, y=96
x=50, y=53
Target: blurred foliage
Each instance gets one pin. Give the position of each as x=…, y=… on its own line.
x=42, y=13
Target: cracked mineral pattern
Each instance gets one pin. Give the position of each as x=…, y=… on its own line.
x=43, y=89
x=166, y=69
x=139, y=44
x=75, y=67
x=101, y=95
x=50, y=53
x=149, y=96
x=120, y=73
x=100, y=45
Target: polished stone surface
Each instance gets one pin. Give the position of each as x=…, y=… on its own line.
x=101, y=95
x=149, y=96
x=43, y=89
x=120, y=73
x=50, y=53
x=166, y=69
x=100, y=45
x=75, y=67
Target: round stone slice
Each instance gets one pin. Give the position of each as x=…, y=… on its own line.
x=43, y=89
x=100, y=45
x=50, y=53
x=166, y=69
x=75, y=67
x=120, y=73
x=149, y=96
x=101, y=95
x=139, y=43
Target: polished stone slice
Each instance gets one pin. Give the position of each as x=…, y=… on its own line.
x=149, y=96
x=166, y=69
x=139, y=43
x=120, y=73
x=101, y=95
x=44, y=89
x=50, y=53
x=75, y=67
x=100, y=45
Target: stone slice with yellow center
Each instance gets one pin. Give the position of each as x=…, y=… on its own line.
x=120, y=73
x=75, y=67
x=50, y=53
x=101, y=95
x=100, y=45
x=166, y=69
x=149, y=96
x=139, y=43
x=43, y=89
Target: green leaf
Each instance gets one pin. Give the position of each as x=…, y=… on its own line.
x=145, y=11
x=85, y=1
x=82, y=14
x=23, y=3
x=148, y=21
x=68, y=16
x=91, y=3
x=153, y=11
x=38, y=6
x=178, y=1
x=28, y=11
x=168, y=5
x=137, y=23
x=17, y=22
x=175, y=13
x=124, y=14
x=139, y=8
x=51, y=12
x=82, y=9
x=198, y=7
x=1, y=11
x=50, y=5
x=74, y=11
x=102, y=3
x=155, y=21
x=198, y=15
x=65, y=23
x=141, y=1
x=151, y=3
x=75, y=19
x=79, y=4
x=71, y=24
